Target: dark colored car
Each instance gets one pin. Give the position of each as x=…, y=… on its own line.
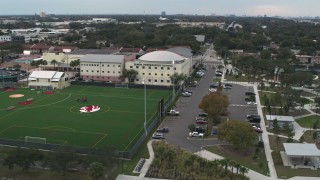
x=214, y=131
x=200, y=129
x=254, y=118
x=250, y=94
x=163, y=129
x=213, y=85
x=203, y=114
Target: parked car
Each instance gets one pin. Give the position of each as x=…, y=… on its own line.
x=214, y=131
x=199, y=74
x=228, y=86
x=187, y=90
x=200, y=129
x=218, y=74
x=250, y=94
x=186, y=94
x=201, y=121
x=158, y=136
x=212, y=90
x=251, y=103
x=173, y=112
x=195, y=134
x=213, y=85
x=254, y=118
x=202, y=114
x=163, y=129
x=193, y=84
x=257, y=129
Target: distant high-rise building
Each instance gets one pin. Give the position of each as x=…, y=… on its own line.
x=42, y=14
x=163, y=13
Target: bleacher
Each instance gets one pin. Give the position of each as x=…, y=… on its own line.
x=139, y=166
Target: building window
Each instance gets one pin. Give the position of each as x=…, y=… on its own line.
x=168, y=68
x=48, y=80
x=175, y=68
x=87, y=71
x=168, y=81
x=87, y=76
x=108, y=65
x=102, y=77
x=102, y=65
x=81, y=70
x=108, y=71
x=149, y=67
x=137, y=79
x=97, y=71
x=113, y=65
x=130, y=67
x=142, y=73
x=168, y=74
x=143, y=67
x=162, y=81
x=119, y=66
x=149, y=74
x=113, y=72
x=98, y=77
x=155, y=74
x=155, y=80
x=161, y=74
x=161, y=67
x=149, y=80
x=155, y=68
x=119, y=72
x=92, y=76
x=92, y=71
x=102, y=71
x=137, y=67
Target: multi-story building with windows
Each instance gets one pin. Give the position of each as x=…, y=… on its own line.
x=157, y=67
x=102, y=67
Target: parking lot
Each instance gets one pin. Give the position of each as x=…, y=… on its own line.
x=188, y=109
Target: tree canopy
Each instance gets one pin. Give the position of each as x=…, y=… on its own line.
x=238, y=133
x=214, y=103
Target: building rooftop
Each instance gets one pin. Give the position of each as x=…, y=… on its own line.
x=299, y=149
x=280, y=118
x=102, y=58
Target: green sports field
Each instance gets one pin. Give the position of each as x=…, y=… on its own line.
x=56, y=117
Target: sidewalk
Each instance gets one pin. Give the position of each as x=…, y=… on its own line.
x=251, y=174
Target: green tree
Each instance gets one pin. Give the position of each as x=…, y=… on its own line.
x=229, y=132
x=96, y=170
x=61, y=159
x=276, y=126
x=315, y=136
x=54, y=62
x=131, y=74
x=214, y=104
x=287, y=129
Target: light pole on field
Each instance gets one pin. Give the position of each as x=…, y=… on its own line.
x=173, y=90
x=145, y=106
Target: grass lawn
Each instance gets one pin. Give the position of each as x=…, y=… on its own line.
x=245, y=158
x=56, y=117
x=285, y=172
x=278, y=147
x=240, y=78
x=307, y=122
x=308, y=137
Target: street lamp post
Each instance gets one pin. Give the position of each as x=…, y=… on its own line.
x=145, y=107
x=173, y=90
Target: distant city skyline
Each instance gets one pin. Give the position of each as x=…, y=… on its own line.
x=191, y=7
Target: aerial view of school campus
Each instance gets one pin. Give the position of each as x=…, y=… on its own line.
x=206, y=91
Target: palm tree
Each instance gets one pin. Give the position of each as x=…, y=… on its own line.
x=243, y=170
x=96, y=170
x=54, y=62
x=131, y=74
x=237, y=166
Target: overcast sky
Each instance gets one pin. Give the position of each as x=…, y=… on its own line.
x=201, y=7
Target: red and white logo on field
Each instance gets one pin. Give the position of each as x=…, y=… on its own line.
x=89, y=109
